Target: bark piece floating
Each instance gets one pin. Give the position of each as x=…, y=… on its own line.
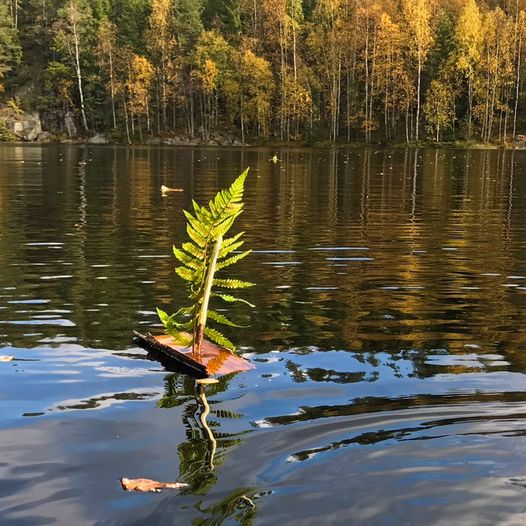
x=147, y=485
x=212, y=359
x=6, y=358
x=165, y=190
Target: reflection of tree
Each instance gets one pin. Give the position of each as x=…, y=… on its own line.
x=433, y=221
x=369, y=405
x=373, y=420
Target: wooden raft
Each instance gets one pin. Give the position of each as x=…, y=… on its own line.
x=212, y=360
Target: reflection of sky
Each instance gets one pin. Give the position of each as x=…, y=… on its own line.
x=67, y=464
x=68, y=376
x=69, y=469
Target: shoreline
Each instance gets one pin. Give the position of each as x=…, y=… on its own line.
x=193, y=143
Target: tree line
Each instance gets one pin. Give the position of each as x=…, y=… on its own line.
x=309, y=70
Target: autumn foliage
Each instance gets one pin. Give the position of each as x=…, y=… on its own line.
x=342, y=70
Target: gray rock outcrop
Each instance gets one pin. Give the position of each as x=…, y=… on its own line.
x=23, y=126
x=98, y=138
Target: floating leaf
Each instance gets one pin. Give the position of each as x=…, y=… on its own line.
x=147, y=485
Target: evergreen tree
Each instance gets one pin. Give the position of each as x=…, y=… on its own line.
x=10, y=50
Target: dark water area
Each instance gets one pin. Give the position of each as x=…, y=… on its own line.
x=389, y=339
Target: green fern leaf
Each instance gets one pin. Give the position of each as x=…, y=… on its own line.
x=233, y=259
x=196, y=224
x=201, y=257
x=181, y=338
x=201, y=213
x=166, y=320
x=220, y=318
x=187, y=260
x=229, y=243
x=230, y=249
x=196, y=252
x=219, y=338
x=231, y=299
x=184, y=311
x=186, y=274
x=199, y=240
x=232, y=284
x=187, y=326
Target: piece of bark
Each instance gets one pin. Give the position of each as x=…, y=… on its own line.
x=211, y=360
x=147, y=485
x=167, y=357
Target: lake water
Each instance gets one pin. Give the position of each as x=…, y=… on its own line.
x=389, y=339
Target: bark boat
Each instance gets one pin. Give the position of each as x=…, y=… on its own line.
x=212, y=360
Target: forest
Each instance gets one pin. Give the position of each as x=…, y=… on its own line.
x=368, y=71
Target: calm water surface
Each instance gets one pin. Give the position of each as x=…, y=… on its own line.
x=389, y=338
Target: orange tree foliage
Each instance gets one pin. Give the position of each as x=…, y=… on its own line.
x=355, y=70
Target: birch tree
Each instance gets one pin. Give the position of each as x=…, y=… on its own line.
x=468, y=35
x=417, y=15
x=107, y=54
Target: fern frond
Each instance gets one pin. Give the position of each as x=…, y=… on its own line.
x=200, y=258
x=232, y=284
x=234, y=259
x=229, y=243
x=231, y=299
x=197, y=225
x=220, y=318
x=171, y=322
x=166, y=320
x=183, y=311
x=197, y=238
x=224, y=226
x=182, y=338
x=219, y=338
x=186, y=274
x=230, y=249
x=230, y=199
x=186, y=259
x=197, y=252
x=201, y=213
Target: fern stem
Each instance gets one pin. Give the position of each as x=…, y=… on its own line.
x=203, y=313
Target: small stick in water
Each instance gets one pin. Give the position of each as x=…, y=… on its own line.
x=165, y=190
